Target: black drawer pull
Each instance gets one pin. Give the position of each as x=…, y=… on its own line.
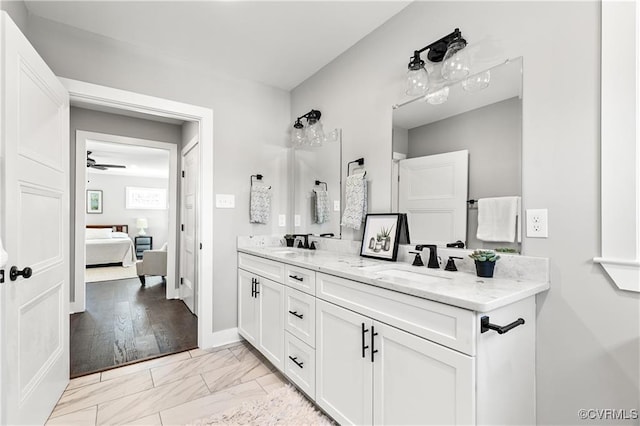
x=363, y=345
x=296, y=314
x=485, y=325
x=253, y=287
x=373, y=335
x=294, y=359
x=256, y=291
x=297, y=278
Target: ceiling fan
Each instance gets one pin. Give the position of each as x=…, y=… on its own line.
x=92, y=164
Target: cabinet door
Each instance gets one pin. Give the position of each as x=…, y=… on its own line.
x=271, y=320
x=343, y=366
x=247, y=307
x=416, y=381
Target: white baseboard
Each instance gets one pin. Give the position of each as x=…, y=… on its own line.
x=220, y=338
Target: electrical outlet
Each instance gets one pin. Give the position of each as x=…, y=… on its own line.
x=336, y=205
x=296, y=220
x=225, y=201
x=537, y=223
x=282, y=220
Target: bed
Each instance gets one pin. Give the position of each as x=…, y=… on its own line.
x=109, y=244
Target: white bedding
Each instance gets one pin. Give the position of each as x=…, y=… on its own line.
x=110, y=250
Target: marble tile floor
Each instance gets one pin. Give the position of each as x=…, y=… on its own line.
x=173, y=390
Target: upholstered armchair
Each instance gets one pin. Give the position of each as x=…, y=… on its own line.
x=154, y=262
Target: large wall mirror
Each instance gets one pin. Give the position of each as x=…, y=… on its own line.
x=447, y=156
x=316, y=174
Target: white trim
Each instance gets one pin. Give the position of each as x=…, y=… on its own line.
x=620, y=144
x=79, y=303
x=91, y=94
x=225, y=337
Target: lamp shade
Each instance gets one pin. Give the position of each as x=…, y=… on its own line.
x=456, y=61
x=142, y=222
x=417, y=82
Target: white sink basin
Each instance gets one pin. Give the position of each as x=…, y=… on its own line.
x=409, y=275
x=284, y=252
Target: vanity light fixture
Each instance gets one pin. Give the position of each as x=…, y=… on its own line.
x=449, y=48
x=311, y=135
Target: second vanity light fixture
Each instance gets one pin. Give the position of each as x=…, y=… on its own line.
x=312, y=134
x=455, y=66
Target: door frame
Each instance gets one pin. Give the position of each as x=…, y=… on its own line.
x=87, y=94
x=79, y=294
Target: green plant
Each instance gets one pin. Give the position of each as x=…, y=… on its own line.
x=484, y=255
x=506, y=250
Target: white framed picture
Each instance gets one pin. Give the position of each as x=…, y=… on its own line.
x=146, y=198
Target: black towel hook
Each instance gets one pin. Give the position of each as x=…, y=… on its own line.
x=258, y=177
x=359, y=162
x=326, y=187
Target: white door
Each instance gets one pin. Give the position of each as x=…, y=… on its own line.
x=343, y=364
x=188, y=240
x=416, y=381
x=34, y=209
x=432, y=190
x=247, y=307
x=270, y=295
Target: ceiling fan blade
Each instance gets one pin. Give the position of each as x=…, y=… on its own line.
x=116, y=166
x=98, y=167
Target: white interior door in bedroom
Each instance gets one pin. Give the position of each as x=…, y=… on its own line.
x=189, y=229
x=34, y=211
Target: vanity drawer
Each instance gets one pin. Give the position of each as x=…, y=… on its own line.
x=448, y=325
x=300, y=278
x=300, y=315
x=263, y=267
x=300, y=364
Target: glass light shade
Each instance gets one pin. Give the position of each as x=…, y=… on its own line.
x=439, y=96
x=455, y=65
x=417, y=82
x=332, y=136
x=297, y=136
x=477, y=82
x=314, y=133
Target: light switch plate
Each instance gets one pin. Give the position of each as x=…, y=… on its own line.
x=225, y=201
x=336, y=205
x=296, y=220
x=282, y=220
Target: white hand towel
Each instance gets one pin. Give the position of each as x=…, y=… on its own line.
x=497, y=219
x=321, y=206
x=260, y=203
x=356, y=201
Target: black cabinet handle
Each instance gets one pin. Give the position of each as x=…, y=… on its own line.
x=294, y=359
x=256, y=293
x=253, y=287
x=485, y=325
x=364, y=347
x=296, y=314
x=14, y=273
x=297, y=278
x=373, y=335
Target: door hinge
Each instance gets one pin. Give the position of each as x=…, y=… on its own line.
x=183, y=173
x=181, y=280
x=1, y=276
x=200, y=246
x=182, y=227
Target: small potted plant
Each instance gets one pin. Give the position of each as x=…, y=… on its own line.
x=289, y=239
x=485, y=262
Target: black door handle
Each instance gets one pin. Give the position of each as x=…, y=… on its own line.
x=373, y=335
x=14, y=273
x=364, y=347
x=294, y=359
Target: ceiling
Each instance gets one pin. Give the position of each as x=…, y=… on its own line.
x=279, y=43
x=139, y=160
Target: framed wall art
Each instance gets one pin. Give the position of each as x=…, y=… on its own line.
x=381, y=236
x=94, y=201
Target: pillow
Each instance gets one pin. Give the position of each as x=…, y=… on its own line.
x=98, y=233
x=164, y=247
x=119, y=235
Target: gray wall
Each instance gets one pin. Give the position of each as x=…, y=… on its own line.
x=17, y=11
x=493, y=137
x=114, y=212
x=250, y=122
x=588, y=331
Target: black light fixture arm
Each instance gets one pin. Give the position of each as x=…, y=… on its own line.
x=314, y=114
x=437, y=49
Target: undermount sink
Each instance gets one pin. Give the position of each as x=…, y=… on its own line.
x=411, y=276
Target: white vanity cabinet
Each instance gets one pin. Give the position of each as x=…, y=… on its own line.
x=261, y=307
x=370, y=355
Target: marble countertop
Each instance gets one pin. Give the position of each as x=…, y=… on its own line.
x=459, y=289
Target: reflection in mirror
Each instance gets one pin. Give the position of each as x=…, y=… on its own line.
x=468, y=148
x=316, y=207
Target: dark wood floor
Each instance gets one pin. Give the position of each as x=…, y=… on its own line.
x=125, y=323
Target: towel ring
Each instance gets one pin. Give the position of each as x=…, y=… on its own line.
x=258, y=177
x=326, y=187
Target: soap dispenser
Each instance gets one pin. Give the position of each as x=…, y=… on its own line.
x=418, y=260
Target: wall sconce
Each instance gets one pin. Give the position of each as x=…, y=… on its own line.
x=450, y=51
x=312, y=134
